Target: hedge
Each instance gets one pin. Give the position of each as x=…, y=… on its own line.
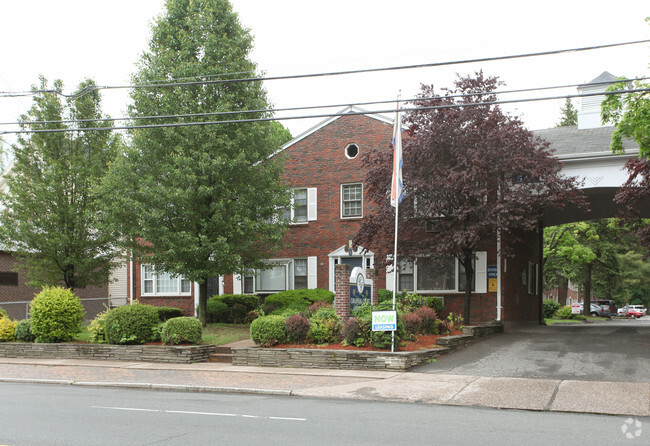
x=131, y=324
x=182, y=330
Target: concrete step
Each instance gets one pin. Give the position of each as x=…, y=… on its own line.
x=220, y=357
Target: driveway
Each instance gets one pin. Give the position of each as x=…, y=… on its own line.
x=616, y=350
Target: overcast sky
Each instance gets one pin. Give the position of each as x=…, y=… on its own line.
x=75, y=39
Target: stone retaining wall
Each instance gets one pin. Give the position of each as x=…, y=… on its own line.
x=150, y=353
x=332, y=359
x=357, y=360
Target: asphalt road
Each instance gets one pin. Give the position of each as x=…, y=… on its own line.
x=34, y=414
x=616, y=350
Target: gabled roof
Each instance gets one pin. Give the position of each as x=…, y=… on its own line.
x=572, y=142
x=604, y=77
x=349, y=110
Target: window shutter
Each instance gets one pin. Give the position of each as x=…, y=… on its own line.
x=236, y=284
x=480, y=272
x=390, y=278
x=312, y=268
x=311, y=204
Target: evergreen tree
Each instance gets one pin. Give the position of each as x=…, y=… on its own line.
x=200, y=201
x=569, y=114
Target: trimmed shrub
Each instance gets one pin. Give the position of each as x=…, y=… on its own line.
x=166, y=313
x=356, y=332
x=56, y=315
x=24, y=331
x=549, y=307
x=428, y=317
x=217, y=310
x=297, y=327
x=181, y=330
x=131, y=324
x=269, y=308
x=7, y=329
x=412, y=324
x=565, y=313
x=97, y=328
x=325, y=326
x=268, y=330
x=237, y=314
x=301, y=299
x=250, y=301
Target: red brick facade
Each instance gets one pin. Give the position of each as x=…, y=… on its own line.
x=15, y=298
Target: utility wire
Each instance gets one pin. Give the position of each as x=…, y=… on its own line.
x=323, y=74
x=325, y=115
x=314, y=107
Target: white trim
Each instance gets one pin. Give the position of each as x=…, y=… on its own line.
x=312, y=203
x=312, y=272
x=343, y=252
x=480, y=272
x=236, y=284
x=354, y=183
x=346, y=150
x=154, y=293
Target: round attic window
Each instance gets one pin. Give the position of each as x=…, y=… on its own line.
x=351, y=151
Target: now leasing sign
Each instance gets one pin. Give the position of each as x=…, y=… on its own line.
x=384, y=320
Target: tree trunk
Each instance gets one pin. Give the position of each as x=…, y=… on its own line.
x=563, y=291
x=203, y=302
x=469, y=281
x=586, y=307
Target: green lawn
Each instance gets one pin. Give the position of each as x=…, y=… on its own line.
x=216, y=334
x=574, y=321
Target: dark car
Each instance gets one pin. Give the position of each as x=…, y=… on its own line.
x=613, y=309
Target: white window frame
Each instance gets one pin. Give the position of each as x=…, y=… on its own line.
x=289, y=276
x=342, y=202
x=479, y=282
x=310, y=205
x=153, y=279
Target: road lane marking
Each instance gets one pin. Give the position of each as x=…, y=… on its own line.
x=186, y=412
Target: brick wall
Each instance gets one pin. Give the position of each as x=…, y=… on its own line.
x=15, y=299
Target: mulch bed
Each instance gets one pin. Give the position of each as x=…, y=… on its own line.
x=423, y=342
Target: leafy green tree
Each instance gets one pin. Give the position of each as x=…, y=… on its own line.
x=51, y=218
x=200, y=201
x=569, y=114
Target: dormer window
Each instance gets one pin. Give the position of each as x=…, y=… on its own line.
x=351, y=151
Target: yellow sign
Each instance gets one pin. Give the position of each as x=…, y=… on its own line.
x=492, y=285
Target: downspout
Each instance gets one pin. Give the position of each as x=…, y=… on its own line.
x=498, y=274
x=132, y=267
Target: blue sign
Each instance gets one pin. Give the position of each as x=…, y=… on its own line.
x=492, y=271
x=357, y=299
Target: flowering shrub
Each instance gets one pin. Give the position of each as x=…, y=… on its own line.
x=7, y=329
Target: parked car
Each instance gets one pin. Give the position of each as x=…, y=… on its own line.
x=636, y=311
x=597, y=310
x=613, y=309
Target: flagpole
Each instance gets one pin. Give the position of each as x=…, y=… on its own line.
x=396, y=197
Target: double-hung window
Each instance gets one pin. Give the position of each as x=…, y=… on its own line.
x=161, y=283
x=302, y=208
x=281, y=275
x=352, y=200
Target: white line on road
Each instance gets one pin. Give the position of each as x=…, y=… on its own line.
x=185, y=412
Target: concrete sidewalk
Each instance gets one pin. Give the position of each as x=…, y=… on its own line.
x=459, y=390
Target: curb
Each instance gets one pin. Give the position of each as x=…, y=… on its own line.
x=153, y=386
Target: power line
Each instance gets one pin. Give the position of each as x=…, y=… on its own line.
x=313, y=107
x=331, y=73
x=324, y=115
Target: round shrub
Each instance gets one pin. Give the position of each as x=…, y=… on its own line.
x=268, y=330
x=131, y=324
x=7, y=329
x=356, y=332
x=412, y=324
x=428, y=317
x=549, y=307
x=182, y=330
x=97, y=328
x=24, y=331
x=217, y=310
x=325, y=326
x=166, y=313
x=237, y=314
x=56, y=315
x=297, y=327
x=565, y=313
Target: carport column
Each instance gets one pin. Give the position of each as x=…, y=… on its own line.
x=342, y=290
